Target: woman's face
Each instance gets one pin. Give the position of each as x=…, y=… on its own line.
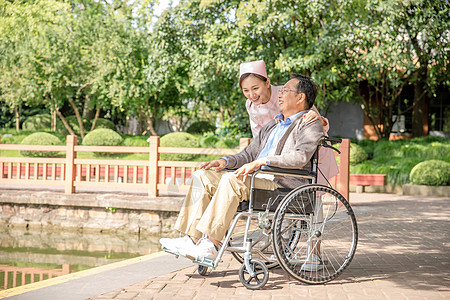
x=256, y=90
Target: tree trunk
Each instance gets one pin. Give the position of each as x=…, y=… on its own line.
x=64, y=121
x=150, y=125
x=419, y=104
x=79, y=119
x=17, y=111
x=87, y=109
x=53, y=119
x=97, y=114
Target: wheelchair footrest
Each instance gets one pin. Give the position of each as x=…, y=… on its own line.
x=206, y=262
x=171, y=252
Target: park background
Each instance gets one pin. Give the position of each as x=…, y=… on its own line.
x=146, y=68
x=116, y=72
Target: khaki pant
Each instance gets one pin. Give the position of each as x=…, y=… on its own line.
x=212, y=201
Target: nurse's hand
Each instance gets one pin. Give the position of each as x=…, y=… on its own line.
x=216, y=165
x=312, y=116
x=249, y=168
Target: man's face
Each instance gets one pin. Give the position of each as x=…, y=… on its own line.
x=290, y=102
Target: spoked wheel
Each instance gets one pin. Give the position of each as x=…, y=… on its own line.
x=263, y=246
x=262, y=242
x=327, y=234
x=202, y=270
x=260, y=278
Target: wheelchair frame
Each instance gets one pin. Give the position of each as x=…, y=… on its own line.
x=292, y=257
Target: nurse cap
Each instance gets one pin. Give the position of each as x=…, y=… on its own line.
x=254, y=67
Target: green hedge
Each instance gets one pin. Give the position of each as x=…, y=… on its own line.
x=37, y=122
x=40, y=138
x=397, y=158
x=431, y=172
x=104, y=123
x=102, y=137
x=201, y=127
x=178, y=139
x=357, y=154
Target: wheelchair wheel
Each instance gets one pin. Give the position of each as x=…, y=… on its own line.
x=260, y=277
x=202, y=270
x=327, y=234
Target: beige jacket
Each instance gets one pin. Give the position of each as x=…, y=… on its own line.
x=294, y=151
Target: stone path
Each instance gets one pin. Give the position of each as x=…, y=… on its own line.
x=403, y=253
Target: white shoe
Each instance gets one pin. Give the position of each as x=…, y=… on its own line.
x=314, y=264
x=177, y=245
x=204, y=249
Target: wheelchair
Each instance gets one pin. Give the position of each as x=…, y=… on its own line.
x=310, y=231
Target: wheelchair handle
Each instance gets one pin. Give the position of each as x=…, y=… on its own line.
x=326, y=139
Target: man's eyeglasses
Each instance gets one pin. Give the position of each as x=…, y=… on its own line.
x=285, y=90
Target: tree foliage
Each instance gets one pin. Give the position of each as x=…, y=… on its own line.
x=89, y=57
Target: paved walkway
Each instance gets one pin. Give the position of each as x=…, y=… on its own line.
x=403, y=253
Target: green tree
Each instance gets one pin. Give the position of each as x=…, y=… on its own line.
x=393, y=44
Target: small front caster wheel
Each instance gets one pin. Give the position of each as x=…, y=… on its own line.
x=202, y=270
x=260, y=277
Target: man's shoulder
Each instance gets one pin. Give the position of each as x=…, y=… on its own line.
x=309, y=126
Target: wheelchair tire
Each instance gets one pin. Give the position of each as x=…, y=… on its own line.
x=261, y=275
x=327, y=234
x=202, y=270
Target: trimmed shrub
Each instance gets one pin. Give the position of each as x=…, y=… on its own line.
x=227, y=143
x=104, y=123
x=37, y=122
x=102, y=137
x=209, y=141
x=431, y=172
x=357, y=154
x=178, y=139
x=40, y=138
x=73, y=123
x=135, y=141
x=201, y=127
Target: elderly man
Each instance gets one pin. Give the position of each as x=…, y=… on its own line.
x=214, y=195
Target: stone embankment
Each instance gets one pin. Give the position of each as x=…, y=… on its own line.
x=88, y=211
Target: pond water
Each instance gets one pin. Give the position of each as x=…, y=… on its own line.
x=31, y=256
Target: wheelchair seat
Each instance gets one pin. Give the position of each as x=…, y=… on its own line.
x=263, y=198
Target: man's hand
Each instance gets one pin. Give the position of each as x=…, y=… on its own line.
x=217, y=164
x=249, y=168
x=311, y=116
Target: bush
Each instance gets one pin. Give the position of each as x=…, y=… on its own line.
x=229, y=143
x=431, y=172
x=201, y=127
x=104, y=123
x=357, y=154
x=102, y=137
x=135, y=141
x=178, y=139
x=73, y=123
x=209, y=141
x=37, y=122
x=40, y=138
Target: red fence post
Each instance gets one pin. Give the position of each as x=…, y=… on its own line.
x=71, y=142
x=344, y=168
x=153, y=158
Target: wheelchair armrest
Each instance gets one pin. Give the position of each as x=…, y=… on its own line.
x=300, y=172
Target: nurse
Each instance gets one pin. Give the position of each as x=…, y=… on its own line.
x=262, y=106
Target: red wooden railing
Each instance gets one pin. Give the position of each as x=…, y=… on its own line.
x=153, y=174
x=17, y=276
